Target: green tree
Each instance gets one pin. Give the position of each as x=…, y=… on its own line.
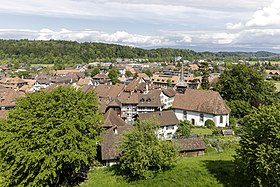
x=205, y=82
x=184, y=129
x=258, y=157
x=143, y=154
x=239, y=108
x=148, y=72
x=113, y=75
x=241, y=82
x=95, y=71
x=128, y=73
x=48, y=137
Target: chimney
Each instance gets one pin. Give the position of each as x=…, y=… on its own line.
x=115, y=130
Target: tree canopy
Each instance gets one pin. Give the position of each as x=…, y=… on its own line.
x=48, y=137
x=258, y=157
x=143, y=154
x=240, y=82
x=184, y=129
x=113, y=75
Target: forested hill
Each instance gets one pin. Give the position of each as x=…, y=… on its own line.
x=69, y=52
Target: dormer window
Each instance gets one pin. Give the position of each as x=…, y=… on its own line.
x=201, y=117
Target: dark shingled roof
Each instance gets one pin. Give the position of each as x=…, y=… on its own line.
x=164, y=118
x=205, y=101
x=110, y=142
x=191, y=144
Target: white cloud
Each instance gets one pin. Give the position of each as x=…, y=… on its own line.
x=268, y=16
x=236, y=26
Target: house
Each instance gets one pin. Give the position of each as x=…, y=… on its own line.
x=8, y=98
x=62, y=73
x=191, y=146
x=197, y=106
x=84, y=81
x=272, y=73
x=109, y=148
x=101, y=78
x=167, y=120
x=111, y=119
x=129, y=104
x=166, y=96
x=165, y=81
x=14, y=83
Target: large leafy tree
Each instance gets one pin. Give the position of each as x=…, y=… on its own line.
x=184, y=129
x=113, y=75
x=240, y=82
x=48, y=137
x=143, y=154
x=258, y=157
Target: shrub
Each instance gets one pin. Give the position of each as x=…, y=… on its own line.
x=209, y=124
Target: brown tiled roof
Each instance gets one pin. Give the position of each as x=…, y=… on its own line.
x=115, y=103
x=65, y=71
x=84, y=81
x=149, y=100
x=112, y=119
x=144, y=76
x=9, y=96
x=132, y=86
x=110, y=142
x=191, y=144
x=205, y=101
x=169, y=92
x=87, y=88
x=100, y=76
x=15, y=80
x=128, y=98
x=164, y=118
x=112, y=91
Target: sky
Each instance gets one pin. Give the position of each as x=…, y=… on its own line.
x=200, y=25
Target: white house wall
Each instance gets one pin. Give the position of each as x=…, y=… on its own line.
x=167, y=132
x=166, y=101
x=195, y=117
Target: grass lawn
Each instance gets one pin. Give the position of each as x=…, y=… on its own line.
x=201, y=131
x=212, y=169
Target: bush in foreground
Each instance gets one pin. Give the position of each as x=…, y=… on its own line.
x=258, y=157
x=143, y=154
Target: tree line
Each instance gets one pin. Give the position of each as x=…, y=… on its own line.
x=72, y=52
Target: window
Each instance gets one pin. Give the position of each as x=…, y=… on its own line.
x=201, y=117
x=185, y=115
x=171, y=127
x=221, y=119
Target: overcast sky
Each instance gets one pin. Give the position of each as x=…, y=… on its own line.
x=213, y=25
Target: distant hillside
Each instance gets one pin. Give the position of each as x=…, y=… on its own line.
x=69, y=52
x=259, y=54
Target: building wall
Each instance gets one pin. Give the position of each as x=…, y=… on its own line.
x=196, y=119
x=167, y=132
x=166, y=101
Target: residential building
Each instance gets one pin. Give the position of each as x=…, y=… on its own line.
x=167, y=120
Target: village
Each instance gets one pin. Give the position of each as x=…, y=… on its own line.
x=167, y=92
